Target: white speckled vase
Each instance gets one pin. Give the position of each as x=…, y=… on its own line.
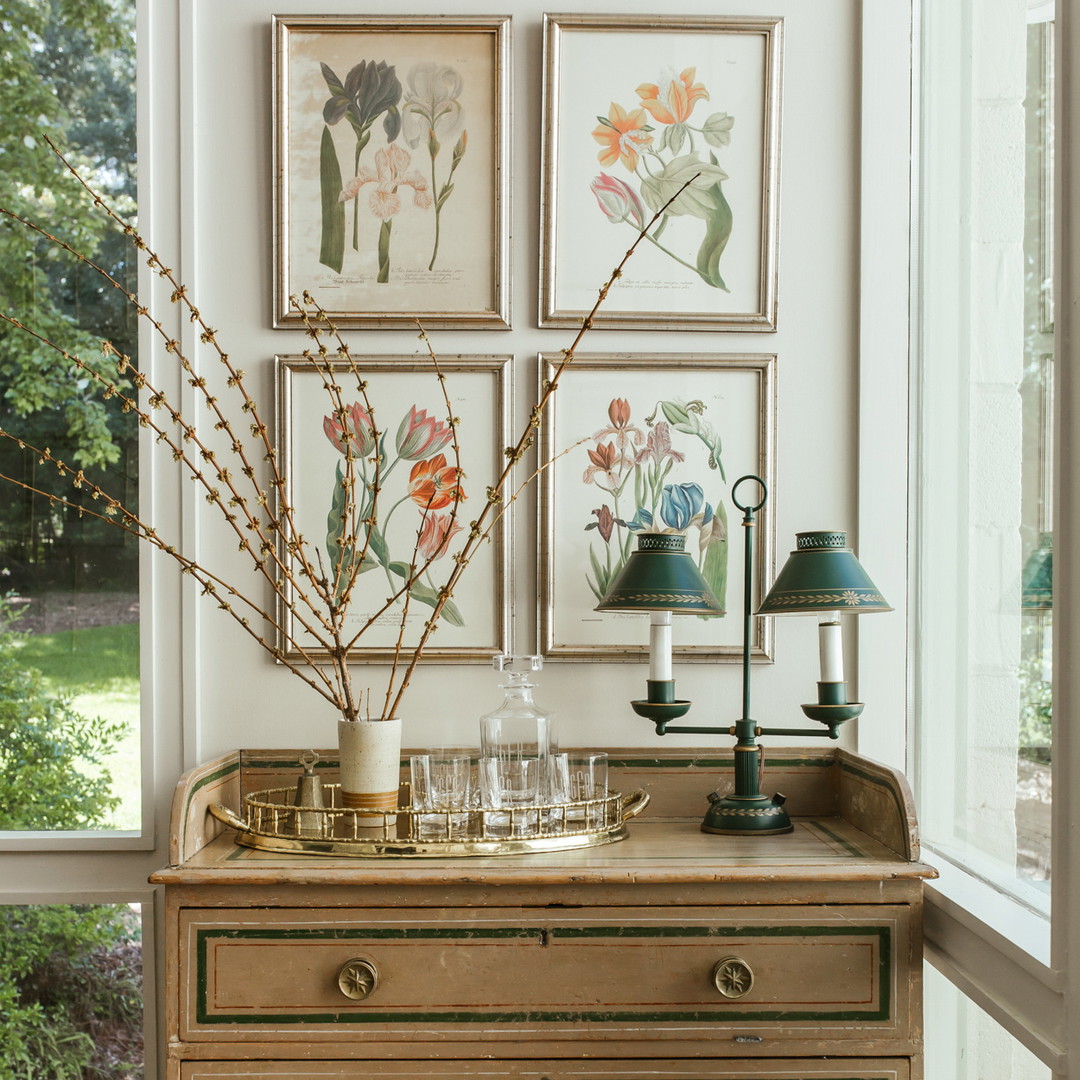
x=370, y=756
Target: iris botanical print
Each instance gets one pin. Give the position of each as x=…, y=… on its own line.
x=417, y=119
x=391, y=186
x=630, y=464
x=656, y=148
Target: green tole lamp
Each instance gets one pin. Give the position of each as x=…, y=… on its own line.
x=822, y=576
x=1037, y=581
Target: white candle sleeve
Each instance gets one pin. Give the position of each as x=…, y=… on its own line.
x=831, y=648
x=660, y=646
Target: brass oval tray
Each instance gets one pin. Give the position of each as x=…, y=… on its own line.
x=272, y=822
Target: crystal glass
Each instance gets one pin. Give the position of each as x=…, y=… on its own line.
x=517, y=785
x=587, y=780
x=442, y=783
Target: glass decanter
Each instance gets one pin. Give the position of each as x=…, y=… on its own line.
x=516, y=742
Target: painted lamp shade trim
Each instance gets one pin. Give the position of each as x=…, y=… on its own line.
x=661, y=576
x=822, y=574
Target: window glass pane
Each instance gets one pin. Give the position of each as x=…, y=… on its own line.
x=964, y=1043
x=985, y=385
x=69, y=682
x=71, y=991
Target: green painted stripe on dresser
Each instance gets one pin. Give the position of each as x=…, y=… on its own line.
x=646, y=762
x=722, y=1011
x=198, y=785
x=712, y=762
x=847, y=845
x=877, y=781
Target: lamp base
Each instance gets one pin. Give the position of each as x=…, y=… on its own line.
x=743, y=815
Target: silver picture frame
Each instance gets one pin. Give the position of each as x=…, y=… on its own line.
x=408, y=407
x=391, y=178
x=617, y=146
x=634, y=424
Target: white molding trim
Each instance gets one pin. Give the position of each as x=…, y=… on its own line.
x=1001, y=978
x=884, y=246
x=190, y=611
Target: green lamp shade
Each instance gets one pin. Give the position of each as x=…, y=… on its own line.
x=660, y=576
x=1037, y=580
x=822, y=574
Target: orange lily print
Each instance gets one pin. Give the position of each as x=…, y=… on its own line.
x=433, y=484
x=672, y=101
x=675, y=168
x=623, y=135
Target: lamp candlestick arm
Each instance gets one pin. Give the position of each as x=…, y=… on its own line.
x=832, y=731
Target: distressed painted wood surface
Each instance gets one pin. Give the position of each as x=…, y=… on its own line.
x=828, y=1069
x=655, y=851
x=582, y=965
x=811, y=972
x=827, y=785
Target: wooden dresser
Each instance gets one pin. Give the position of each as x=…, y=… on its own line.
x=671, y=955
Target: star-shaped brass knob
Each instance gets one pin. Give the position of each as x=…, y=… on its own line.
x=358, y=978
x=733, y=977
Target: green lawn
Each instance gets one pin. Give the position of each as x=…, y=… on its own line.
x=99, y=668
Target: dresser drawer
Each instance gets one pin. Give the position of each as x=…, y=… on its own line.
x=793, y=1069
x=747, y=976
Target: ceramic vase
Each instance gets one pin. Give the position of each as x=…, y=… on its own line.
x=370, y=756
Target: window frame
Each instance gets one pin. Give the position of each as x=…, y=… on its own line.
x=976, y=936
x=69, y=867
x=144, y=838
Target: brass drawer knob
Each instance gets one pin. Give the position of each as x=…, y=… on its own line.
x=358, y=979
x=733, y=977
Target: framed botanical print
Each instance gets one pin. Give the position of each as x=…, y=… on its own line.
x=636, y=107
x=652, y=444
x=390, y=165
x=419, y=481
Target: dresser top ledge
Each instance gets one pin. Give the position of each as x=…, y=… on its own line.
x=854, y=821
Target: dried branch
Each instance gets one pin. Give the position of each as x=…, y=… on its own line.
x=308, y=593
x=514, y=454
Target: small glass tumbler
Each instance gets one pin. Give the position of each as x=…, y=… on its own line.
x=558, y=794
x=512, y=787
x=442, y=787
x=587, y=782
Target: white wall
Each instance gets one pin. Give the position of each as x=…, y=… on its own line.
x=232, y=693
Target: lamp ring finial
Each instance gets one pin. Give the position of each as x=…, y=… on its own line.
x=764, y=493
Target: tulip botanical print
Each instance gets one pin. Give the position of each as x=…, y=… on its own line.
x=425, y=488
x=651, y=445
x=433, y=490
x=641, y=109
x=390, y=139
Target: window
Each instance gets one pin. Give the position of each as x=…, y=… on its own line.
x=964, y=1043
x=71, y=991
x=69, y=594
x=71, y=961
x=984, y=432
x=991, y=353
